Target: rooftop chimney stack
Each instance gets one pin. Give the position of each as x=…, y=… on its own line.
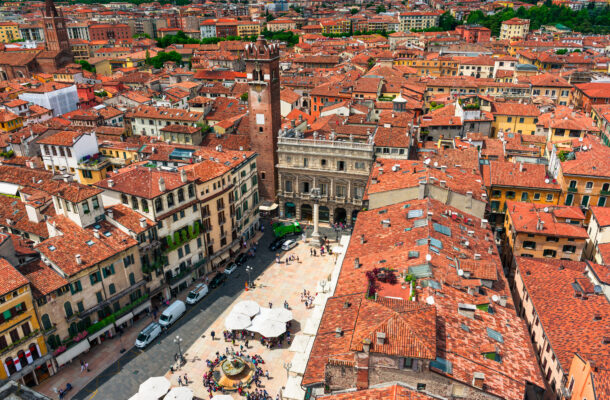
x=78, y=259
x=183, y=177
x=161, y=185
x=142, y=222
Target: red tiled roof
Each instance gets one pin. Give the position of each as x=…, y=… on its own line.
x=568, y=321
x=43, y=278
x=501, y=173
x=130, y=218
x=393, y=392
x=601, y=215
x=10, y=278
x=142, y=181
x=526, y=217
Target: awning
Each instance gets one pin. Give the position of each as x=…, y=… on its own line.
x=289, y=204
x=73, y=352
x=236, y=247
x=100, y=332
x=216, y=261
x=224, y=256
x=267, y=206
x=9, y=188
x=124, y=319
x=140, y=308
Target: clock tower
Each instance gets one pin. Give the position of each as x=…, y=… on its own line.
x=263, y=73
x=55, y=31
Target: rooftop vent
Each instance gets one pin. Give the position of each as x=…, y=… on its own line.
x=381, y=338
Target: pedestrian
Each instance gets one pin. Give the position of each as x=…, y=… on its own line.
x=247, y=344
x=82, y=366
x=186, y=380
x=212, y=334
x=270, y=305
x=267, y=374
x=87, y=367
x=179, y=380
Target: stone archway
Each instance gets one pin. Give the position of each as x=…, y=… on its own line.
x=324, y=214
x=354, y=215
x=306, y=212
x=340, y=215
x=290, y=210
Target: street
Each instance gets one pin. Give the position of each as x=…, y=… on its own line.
x=122, y=378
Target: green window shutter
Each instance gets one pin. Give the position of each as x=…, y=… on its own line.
x=72, y=289
x=99, y=276
x=7, y=314
x=92, y=279
x=104, y=272
x=112, y=268
x=80, y=286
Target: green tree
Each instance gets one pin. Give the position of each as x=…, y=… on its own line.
x=380, y=8
x=162, y=57
x=371, y=62
x=86, y=66
x=244, y=97
x=354, y=11
x=141, y=35
x=447, y=22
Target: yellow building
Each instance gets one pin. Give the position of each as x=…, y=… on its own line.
x=514, y=28
x=336, y=27
x=248, y=28
x=514, y=117
x=549, y=86
x=517, y=181
x=10, y=121
x=439, y=66
x=93, y=170
x=22, y=345
x=583, y=171
x=543, y=232
x=281, y=25
x=120, y=153
x=9, y=32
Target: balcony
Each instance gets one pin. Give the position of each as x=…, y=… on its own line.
x=110, y=300
x=95, y=162
x=572, y=189
x=604, y=192
x=21, y=341
x=184, y=271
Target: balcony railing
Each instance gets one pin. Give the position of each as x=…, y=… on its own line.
x=572, y=189
x=604, y=192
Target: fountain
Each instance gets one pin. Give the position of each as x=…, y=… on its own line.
x=234, y=372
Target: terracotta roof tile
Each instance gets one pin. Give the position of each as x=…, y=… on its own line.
x=43, y=278
x=10, y=278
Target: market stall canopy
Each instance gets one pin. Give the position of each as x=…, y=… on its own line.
x=154, y=388
x=179, y=393
x=269, y=329
x=247, y=307
x=236, y=321
x=280, y=315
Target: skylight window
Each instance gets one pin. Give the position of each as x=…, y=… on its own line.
x=495, y=335
x=107, y=233
x=436, y=243
x=419, y=223
x=442, y=365
x=421, y=242
x=413, y=254
x=445, y=230
x=415, y=214
x=465, y=327
x=52, y=248
x=90, y=242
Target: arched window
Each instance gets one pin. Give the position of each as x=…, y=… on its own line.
x=46, y=322
x=134, y=203
x=158, y=204
x=22, y=358
x=124, y=199
x=180, y=195
x=132, y=279
x=34, y=351
x=170, y=200
x=10, y=365
x=68, y=309
x=73, y=329
x=144, y=205
x=191, y=190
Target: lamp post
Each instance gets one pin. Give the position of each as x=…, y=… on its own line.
x=315, y=196
x=248, y=270
x=287, y=366
x=178, y=341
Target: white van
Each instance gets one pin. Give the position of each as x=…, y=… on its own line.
x=172, y=313
x=147, y=335
x=197, y=293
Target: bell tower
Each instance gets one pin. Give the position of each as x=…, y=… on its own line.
x=55, y=32
x=263, y=73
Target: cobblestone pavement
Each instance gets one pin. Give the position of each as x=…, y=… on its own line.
x=116, y=376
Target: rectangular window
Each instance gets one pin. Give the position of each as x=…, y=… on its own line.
x=585, y=201
x=536, y=196
x=568, y=248
x=549, y=253
x=85, y=206
x=180, y=253
x=99, y=297
x=549, y=197
x=95, y=278
x=524, y=196
x=187, y=249
x=96, y=203
x=76, y=287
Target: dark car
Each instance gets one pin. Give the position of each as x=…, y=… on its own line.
x=277, y=244
x=241, y=259
x=218, y=280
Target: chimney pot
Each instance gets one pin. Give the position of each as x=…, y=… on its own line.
x=78, y=259
x=96, y=233
x=161, y=185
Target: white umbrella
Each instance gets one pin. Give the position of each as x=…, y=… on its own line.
x=136, y=396
x=272, y=329
x=154, y=388
x=280, y=315
x=237, y=321
x=247, y=307
x=263, y=313
x=338, y=249
x=222, y=397
x=179, y=393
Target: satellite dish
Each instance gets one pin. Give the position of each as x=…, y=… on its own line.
x=460, y=272
x=584, y=147
x=436, y=163
x=580, y=139
x=546, y=209
x=495, y=298
x=427, y=161
x=547, y=180
x=430, y=300
x=597, y=289
x=428, y=257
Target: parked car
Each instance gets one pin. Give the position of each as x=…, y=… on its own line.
x=197, y=293
x=218, y=280
x=230, y=269
x=147, y=335
x=289, y=244
x=277, y=244
x=241, y=259
x=172, y=313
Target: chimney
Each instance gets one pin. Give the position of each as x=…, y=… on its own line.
x=469, y=199
x=356, y=263
x=483, y=223
x=183, y=176
x=96, y=233
x=477, y=256
x=490, y=250
x=142, y=222
x=385, y=223
x=380, y=338
x=444, y=168
x=78, y=259
x=110, y=183
x=161, y=185
x=443, y=184
x=366, y=345
x=110, y=213
x=338, y=332
x=478, y=380
x=520, y=167
x=362, y=241
x=421, y=190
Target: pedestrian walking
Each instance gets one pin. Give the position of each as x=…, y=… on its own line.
x=82, y=366
x=179, y=380
x=247, y=341
x=270, y=305
x=186, y=380
x=87, y=366
x=212, y=334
